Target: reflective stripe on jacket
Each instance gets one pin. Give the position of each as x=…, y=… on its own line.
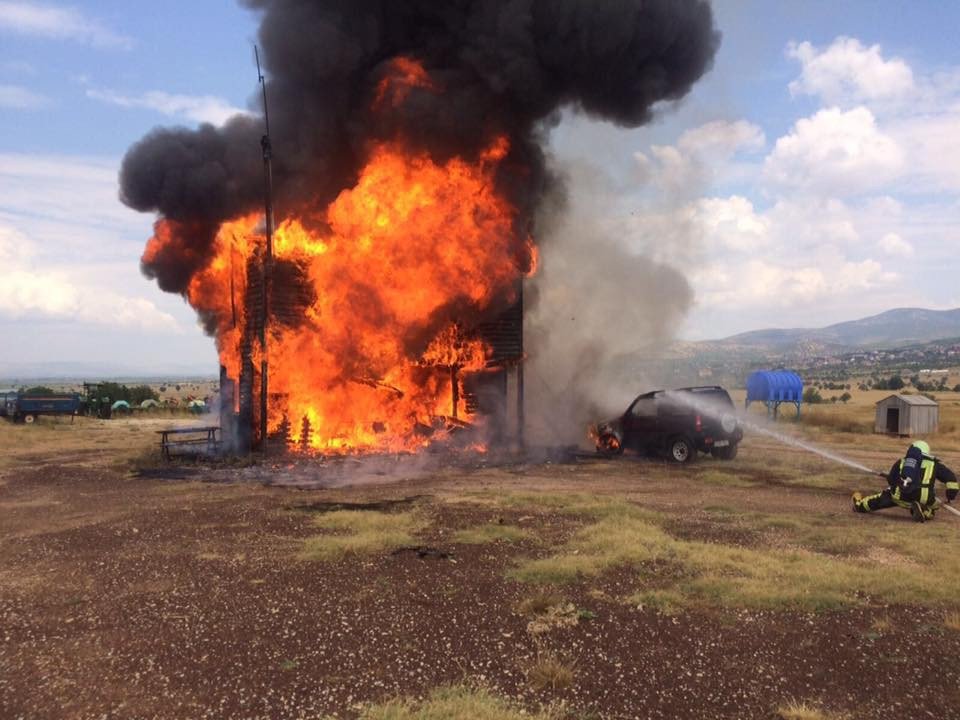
x=909, y=491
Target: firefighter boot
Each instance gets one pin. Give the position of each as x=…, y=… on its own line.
x=917, y=512
x=856, y=498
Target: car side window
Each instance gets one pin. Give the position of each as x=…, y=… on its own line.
x=644, y=408
x=674, y=407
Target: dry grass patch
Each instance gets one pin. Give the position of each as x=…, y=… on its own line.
x=490, y=533
x=85, y=441
x=455, y=703
x=361, y=531
x=548, y=611
x=539, y=602
x=555, y=617
x=952, y=620
x=594, y=506
x=794, y=468
x=795, y=573
x=853, y=421
x=665, y=602
x=796, y=710
x=723, y=478
x=551, y=671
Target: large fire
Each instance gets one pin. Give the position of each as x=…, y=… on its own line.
x=366, y=365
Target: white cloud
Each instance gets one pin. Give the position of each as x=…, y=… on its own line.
x=824, y=224
x=893, y=244
x=68, y=204
x=70, y=250
x=762, y=283
x=932, y=142
x=20, y=98
x=56, y=293
x=198, y=108
x=58, y=23
x=801, y=261
x=847, y=71
x=732, y=224
x=807, y=223
x=18, y=68
x=835, y=152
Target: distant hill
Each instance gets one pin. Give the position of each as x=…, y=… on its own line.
x=890, y=329
x=17, y=373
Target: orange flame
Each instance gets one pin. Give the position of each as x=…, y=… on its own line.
x=380, y=275
x=403, y=75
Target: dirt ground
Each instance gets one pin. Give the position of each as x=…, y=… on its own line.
x=179, y=594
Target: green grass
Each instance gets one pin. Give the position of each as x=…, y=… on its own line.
x=806, y=570
x=666, y=602
x=491, y=533
x=454, y=703
x=361, y=532
x=611, y=541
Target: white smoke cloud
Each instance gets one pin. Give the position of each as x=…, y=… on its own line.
x=700, y=156
x=601, y=305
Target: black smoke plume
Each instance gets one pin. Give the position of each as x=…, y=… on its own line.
x=496, y=67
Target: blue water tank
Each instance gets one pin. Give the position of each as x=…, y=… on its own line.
x=774, y=386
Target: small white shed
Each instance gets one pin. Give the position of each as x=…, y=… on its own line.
x=907, y=415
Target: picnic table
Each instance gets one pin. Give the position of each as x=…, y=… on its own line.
x=198, y=439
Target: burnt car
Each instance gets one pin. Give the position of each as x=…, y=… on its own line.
x=676, y=423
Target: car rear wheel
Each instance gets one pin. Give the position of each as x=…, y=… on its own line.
x=681, y=449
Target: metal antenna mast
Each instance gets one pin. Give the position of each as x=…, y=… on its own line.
x=266, y=269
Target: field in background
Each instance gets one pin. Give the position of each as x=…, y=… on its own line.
x=179, y=389
x=596, y=589
x=853, y=422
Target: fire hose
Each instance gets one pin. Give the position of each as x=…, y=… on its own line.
x=950, y=508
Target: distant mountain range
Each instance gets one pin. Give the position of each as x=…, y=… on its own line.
x=890, y=329
x=18, y=373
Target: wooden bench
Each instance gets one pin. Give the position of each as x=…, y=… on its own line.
x=195, y=440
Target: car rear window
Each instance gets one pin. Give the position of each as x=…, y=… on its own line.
x=717, y=398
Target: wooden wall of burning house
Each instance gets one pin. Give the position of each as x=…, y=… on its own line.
x=496, y=394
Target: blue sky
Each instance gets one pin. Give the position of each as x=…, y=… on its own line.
x=812, y=177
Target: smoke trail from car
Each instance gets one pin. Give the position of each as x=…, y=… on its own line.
x=597, y=308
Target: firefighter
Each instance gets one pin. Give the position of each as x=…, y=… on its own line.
x=911, y=481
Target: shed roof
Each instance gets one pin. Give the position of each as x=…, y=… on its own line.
x=911, y=399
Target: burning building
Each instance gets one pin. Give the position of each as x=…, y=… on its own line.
x=408, y=165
